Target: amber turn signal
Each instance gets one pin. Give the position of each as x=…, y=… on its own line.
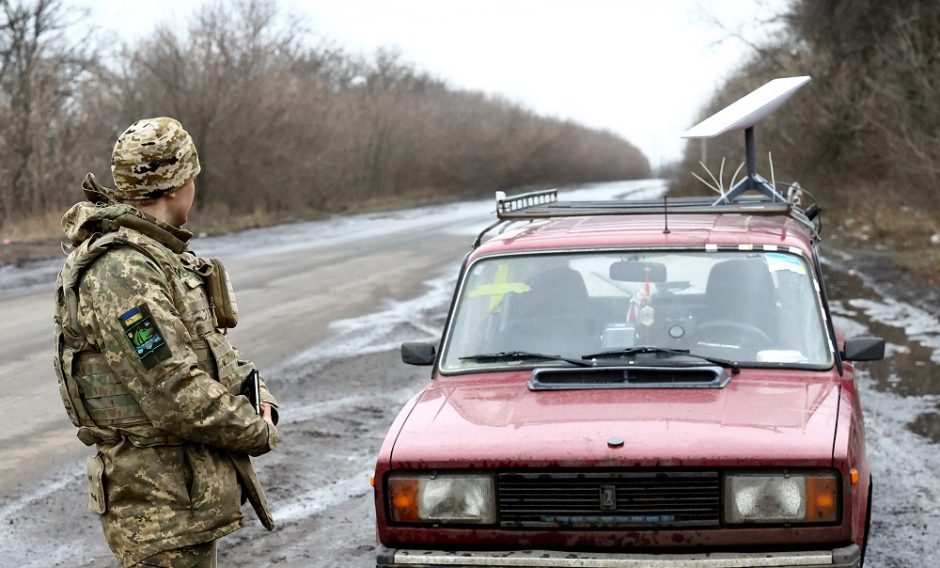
x=821, y=499
x=403, y=496
x=853, y=475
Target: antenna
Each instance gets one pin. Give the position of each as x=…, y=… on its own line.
x=744, y=114
x=666, y=230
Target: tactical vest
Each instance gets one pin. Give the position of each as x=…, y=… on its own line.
x=94, y=396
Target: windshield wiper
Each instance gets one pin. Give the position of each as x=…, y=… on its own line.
x=661, y=351
x=511, y=355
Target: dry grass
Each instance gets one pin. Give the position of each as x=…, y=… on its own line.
x=33, y=227
x=870, y=217
x=215, y=218
x=880, y=223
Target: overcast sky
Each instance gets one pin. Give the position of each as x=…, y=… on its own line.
x=640, y=68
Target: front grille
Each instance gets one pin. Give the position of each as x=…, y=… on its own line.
x=609, y=499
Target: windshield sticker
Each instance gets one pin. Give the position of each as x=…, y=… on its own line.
x=781, y=356
x=777, y=262
x=499, y=288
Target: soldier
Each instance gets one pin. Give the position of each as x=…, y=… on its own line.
x=144, y=366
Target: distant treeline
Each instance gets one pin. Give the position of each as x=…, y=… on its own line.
x=282, y=122
x=864, y=135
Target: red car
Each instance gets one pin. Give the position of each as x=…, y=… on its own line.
x=633, y=384
x=626, y=384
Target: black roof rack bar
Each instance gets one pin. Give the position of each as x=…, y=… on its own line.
x=545, y=205
x=677, y=205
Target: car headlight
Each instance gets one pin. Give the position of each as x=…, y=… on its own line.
x=442, y=498
x=781, y=498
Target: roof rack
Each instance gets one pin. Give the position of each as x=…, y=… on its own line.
x=544, y=205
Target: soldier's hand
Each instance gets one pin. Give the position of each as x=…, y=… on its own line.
x=266, y=413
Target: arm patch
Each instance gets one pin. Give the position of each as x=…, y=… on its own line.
x=144, y=336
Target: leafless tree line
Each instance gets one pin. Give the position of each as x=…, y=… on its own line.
x=870, y=118
x=283, y=123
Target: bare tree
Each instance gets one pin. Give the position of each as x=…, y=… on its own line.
x=40, y=76
x=869, y=125
x=285, y=126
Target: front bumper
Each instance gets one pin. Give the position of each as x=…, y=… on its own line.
x=847, y=557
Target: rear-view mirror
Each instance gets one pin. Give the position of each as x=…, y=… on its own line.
x=631, y=271
x=417, y=353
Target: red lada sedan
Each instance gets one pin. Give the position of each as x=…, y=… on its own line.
x=631, y=384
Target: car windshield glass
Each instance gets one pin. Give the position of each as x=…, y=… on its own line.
x=758, y=308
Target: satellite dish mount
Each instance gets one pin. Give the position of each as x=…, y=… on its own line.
x=743, y=114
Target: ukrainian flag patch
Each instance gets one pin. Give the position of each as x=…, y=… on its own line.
x=145, y=337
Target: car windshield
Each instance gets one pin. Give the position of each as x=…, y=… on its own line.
x=757, y=308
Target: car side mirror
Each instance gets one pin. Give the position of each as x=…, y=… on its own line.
x=864, y=349
x=417, y=353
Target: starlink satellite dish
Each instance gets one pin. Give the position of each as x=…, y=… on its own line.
x=748, y=110
x=743, y=114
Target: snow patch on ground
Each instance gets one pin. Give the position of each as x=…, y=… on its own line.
x=321, y=498
x=905, y=517
x=386, y=328
x=917, y=324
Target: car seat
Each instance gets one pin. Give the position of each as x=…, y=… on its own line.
x=553, y=317
x=742, y=292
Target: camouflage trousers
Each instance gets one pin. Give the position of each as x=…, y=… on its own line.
x=198, y=556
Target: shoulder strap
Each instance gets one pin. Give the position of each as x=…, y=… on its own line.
x=79, y=261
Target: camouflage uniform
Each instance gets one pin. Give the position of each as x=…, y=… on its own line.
x=152, y=157
x=147, y=375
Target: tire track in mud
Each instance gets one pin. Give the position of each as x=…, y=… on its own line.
x=338, y=399
x=905, y=527
x=318, y=481
x=896, y=394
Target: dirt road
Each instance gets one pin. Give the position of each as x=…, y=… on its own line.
x=324, y=307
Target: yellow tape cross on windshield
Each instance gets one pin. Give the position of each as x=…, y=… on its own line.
x=499, y=288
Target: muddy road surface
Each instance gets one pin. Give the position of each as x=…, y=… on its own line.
x=324, y=307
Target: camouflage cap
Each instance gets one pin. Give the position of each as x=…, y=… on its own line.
x=150, y=158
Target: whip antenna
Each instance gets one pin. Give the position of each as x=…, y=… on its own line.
x=666, y=230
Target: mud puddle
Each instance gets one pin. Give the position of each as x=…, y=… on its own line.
x=912, y=336
x=901, y=401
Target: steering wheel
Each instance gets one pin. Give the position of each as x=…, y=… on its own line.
x=743, y=333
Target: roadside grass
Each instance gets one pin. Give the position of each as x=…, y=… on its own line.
x=880, y=224
x=876, y=219
x=32, y=228
x=220, y=218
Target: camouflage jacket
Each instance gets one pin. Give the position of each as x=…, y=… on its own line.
x=147, y=376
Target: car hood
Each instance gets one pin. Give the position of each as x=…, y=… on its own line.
x=761, y=418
